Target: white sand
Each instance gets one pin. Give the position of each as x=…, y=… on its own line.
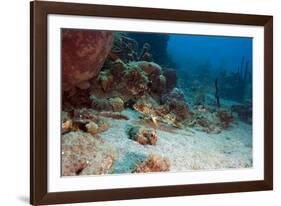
x=186, y=149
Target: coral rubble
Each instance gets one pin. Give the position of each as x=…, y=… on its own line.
x=84, y=120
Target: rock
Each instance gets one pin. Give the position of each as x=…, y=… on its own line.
x=83, y=154
x=147, y=100
x=83, y=55
x=171, y=77
x=180, y=109
x=100, y=104
x=102, y=126
x=117, y=104
x=67, y=126
x=92, y=128
x=143, y=136
x=84, y=113
x=154, y=163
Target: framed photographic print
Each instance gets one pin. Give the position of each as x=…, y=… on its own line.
x=133, y=102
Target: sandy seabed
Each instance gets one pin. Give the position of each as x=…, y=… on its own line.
x=187, y=149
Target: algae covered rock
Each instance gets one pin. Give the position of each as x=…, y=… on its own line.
x=176, y=101
x=92, y=128
x=118, y=68
x=154, y=163
x=117, y=104
x=142, y=135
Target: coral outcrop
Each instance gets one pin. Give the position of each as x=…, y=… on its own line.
x=116, y=104
x=176, y=102
x=83, y=55
x=154, y=163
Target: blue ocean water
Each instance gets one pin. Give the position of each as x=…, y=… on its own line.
x=218, y=51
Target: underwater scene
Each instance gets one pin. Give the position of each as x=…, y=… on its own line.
x=136, y=102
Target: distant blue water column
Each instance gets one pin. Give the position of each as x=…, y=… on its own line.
x=187, y=50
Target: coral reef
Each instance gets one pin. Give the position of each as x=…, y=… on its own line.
x=128, y=81
x=84, y=154
x=176, y=101
x=154, y=163
x=143, y=136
